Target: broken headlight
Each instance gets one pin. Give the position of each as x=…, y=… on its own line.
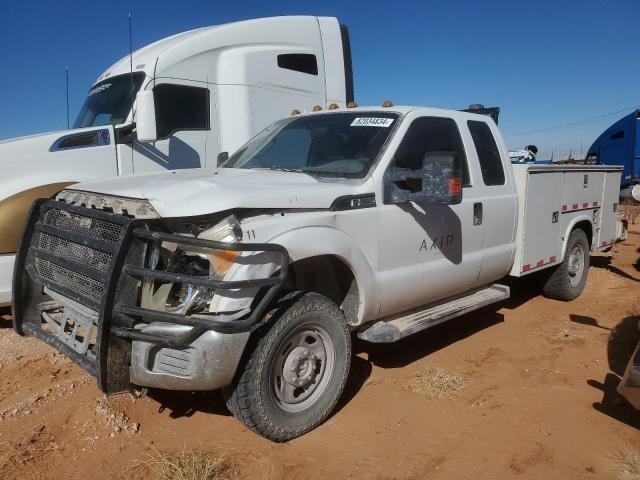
x=185, y=298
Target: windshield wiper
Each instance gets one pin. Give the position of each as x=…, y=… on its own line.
x=280, y=169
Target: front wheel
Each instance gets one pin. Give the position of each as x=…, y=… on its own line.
x=567, y=280
x=294, y=371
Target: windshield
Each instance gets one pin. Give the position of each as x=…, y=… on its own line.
x=331, y=144
x=109, y=101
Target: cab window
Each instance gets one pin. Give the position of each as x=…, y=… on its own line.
x=430, y=134
x=180, y=107
x=488, y=153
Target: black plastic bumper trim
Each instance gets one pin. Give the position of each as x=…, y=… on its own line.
x=162, y=340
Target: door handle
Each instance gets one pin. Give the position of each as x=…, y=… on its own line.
x=477, y=213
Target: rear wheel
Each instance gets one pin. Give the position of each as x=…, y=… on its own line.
x=294, y=371
x=567, y=280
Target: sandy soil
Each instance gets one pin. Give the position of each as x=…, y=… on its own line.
x=533, y=396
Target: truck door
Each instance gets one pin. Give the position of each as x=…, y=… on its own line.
x=494, y=175
x=428, y=252
x=182, y=121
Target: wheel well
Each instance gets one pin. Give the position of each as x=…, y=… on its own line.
x=587, y=228
x=330, y=276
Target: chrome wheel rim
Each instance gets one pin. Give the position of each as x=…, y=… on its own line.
x=575, y=266
x=301, y=368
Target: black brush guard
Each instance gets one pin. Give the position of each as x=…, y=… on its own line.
x=121, y=245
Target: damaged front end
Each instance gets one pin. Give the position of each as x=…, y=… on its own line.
x=143, y=301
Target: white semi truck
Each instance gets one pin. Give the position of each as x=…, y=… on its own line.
x=205, y=91
x=252, y=277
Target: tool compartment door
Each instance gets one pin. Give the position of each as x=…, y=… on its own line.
x=582, y=191
x=606, y=235
x=582, y=198
x=541, y=226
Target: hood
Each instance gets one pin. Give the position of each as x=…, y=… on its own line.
x=28, y=146
x=41, y=159
x=186, y=193
x=35, y=146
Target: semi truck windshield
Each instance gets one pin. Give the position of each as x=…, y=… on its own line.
x=333, y=144
x=109, y=101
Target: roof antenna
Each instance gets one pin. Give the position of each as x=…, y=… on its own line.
x=131, y=66
x=66, y=69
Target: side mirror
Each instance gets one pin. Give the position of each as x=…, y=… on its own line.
x=439, y=181
x=146, y=117
x=222, y=157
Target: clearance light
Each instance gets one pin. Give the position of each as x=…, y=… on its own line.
x=352, y=104
x=387, y=103
x=317, y=108
x=295, y=111
x=333, y=106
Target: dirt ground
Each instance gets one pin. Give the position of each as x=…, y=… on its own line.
x=523, y=390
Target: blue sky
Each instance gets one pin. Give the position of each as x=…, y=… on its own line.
x=545, y=63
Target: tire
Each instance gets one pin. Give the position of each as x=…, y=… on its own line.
x=567, y=280
x=294, y=370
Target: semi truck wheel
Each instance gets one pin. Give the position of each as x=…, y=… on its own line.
x=294, y=370
x=567, y=280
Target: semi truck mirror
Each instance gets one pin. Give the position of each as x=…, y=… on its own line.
x=439, y=181
x=146, y=117
x=222, y=157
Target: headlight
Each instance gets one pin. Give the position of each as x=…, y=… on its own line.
x=134, y=207
x=186, y=298
x=227, y=230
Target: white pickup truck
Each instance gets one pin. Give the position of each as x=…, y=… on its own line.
x=377, y=222
x=196, y=94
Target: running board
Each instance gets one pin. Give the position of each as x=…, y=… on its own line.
x=400, y=326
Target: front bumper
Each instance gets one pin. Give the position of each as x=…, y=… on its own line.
x=77, y=286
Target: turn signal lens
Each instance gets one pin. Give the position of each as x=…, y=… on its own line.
x=333, y=106
x=352, y=104
x=295, y=111
x=387, y=103
x=221, y=260
x=317, y=108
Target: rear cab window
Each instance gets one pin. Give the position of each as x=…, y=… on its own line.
x=488, y=153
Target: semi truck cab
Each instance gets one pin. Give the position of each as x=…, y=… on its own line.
x=206, y=91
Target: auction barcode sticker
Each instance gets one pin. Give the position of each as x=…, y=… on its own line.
x=372, y=122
